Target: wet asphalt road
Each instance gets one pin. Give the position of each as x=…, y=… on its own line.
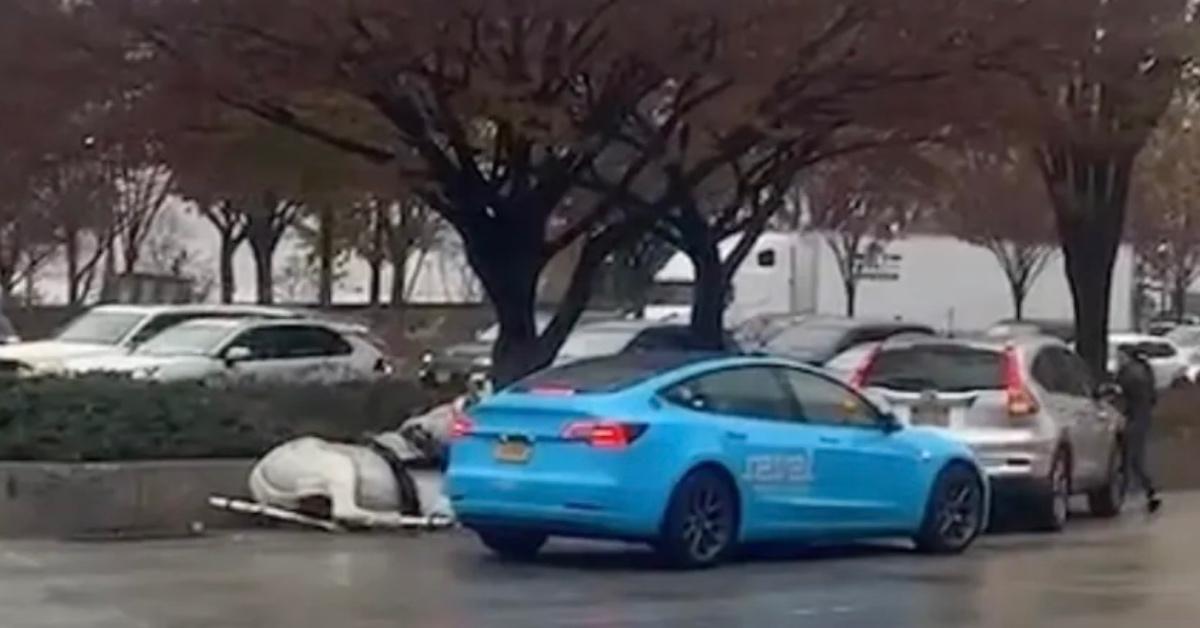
x=1134, y=572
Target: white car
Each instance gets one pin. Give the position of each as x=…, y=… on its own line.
x=223, y=349
x=1170, y=365
x=115, y=330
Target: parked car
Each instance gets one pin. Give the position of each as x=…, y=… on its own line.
x=1170, y=365
x=1042, y=429
x=1063, y=330
x=816, y=340
x=219, y=349
x=708, y=453
x=115, y=330
x=631, y=336
x=455, y=365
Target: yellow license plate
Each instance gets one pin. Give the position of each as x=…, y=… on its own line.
x=514, y=452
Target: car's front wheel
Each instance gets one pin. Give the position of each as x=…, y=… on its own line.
x=1108, y=500
x=513, y=544
x=701, y=524
x=954, y=513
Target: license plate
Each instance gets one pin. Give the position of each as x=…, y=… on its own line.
x=938, y=416
x=514, y=452
x=442, y=377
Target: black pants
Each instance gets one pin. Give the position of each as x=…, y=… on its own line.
x=1135, y=455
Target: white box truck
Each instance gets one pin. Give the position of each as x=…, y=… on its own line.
x=933, y=279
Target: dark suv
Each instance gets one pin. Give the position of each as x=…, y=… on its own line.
x=817, y=339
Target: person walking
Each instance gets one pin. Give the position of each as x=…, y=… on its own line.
x=1140, y=394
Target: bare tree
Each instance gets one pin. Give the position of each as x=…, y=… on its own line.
x=997, y=200
x=858, y=204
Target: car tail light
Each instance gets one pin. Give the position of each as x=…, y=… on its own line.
x=604, y=434
x=1020, y=399
x=461, y=424
x=859, y=378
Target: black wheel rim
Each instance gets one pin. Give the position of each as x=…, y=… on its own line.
x=708, y=523
x=1062, y=493
x=1120, y=483
x=960, y=512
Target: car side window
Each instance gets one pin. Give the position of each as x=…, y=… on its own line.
x=1077, y=374
x=298, y=343
x=1047, y=373
x=825, y=402
x=751, y=392
x=264, y=343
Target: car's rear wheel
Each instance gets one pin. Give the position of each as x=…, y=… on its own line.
x=1054, y=504
x=513, y=544
x=954, y=514
x=1108, y=500
x=701, y=524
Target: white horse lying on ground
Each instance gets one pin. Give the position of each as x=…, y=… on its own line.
x=387, y=482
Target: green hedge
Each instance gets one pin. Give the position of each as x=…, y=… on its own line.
x=106, y=418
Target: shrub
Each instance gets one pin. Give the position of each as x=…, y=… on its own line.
x=107, y=418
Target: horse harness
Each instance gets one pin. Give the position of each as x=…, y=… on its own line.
x=408, y=498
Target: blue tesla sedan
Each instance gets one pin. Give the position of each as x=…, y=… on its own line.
x=698, y=454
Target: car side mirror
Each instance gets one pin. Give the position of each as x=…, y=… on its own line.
x=890, y=423
x=235, y=355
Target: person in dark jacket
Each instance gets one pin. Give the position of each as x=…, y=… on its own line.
x=1140, y=394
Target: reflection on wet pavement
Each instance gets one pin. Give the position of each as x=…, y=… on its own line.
x=1134, y=572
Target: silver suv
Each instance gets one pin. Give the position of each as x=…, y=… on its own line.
x=1041, y=427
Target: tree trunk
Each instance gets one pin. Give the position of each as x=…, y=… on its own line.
x=71, y=252
x=709, y=297
x=264, y=271
x=325, y=252
x=512, y=289
x=850, y=286
x=1018, y=297
x=376, y=257
x=228, y=249
x=1179, y=297
x=1089, y=202
x=375, y=282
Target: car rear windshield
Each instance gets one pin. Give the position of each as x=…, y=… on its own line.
x=947, y=368
x=604, y=375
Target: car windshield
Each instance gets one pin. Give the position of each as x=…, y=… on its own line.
x=851, y=359
x=946, y=368
x=101, y=327
x=808, y=340
x=186, y=340
x=595, y=342
x=1152, y=350
x=605, y=374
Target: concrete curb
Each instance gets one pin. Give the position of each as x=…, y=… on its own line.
x=45, y=499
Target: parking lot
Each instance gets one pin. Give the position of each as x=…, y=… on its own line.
x=1099, y=574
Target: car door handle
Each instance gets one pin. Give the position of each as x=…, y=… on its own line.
x=738, y=436
x=829, y=440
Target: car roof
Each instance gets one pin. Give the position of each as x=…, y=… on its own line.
x=1125, y=337
x=1027, y=342
x=626, y=326
x=649, y=368
x=238, y=324
x=253, y=310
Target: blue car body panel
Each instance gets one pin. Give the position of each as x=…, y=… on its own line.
x=795, y=481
